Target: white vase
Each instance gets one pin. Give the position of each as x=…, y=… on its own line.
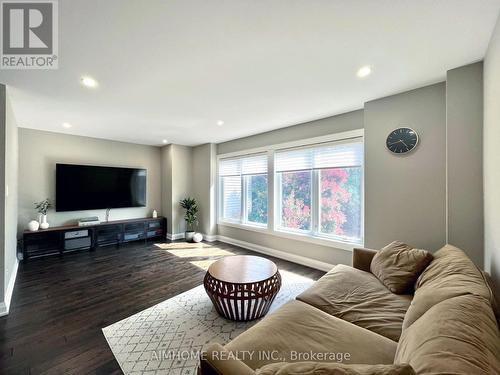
x=44, y=224
x=198, y=237
x=33, y=225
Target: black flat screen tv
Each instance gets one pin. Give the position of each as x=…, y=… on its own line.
x=86, y=187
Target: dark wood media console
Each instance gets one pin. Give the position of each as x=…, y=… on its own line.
x=65, y=239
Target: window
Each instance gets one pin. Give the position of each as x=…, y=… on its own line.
x=243, y=190
x=319, y=190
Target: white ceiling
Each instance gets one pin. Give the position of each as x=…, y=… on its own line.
x=172, y=69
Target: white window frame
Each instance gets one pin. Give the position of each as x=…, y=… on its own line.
x=273, y=191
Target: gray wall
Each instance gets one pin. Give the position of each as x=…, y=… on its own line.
x=39, y=151
x=181, y=184
x=3, y=117
x=492, y=157
x=405, y=195
x=8, y=190
x=294, y=247
x=464, y=129
x=166, y=185
x=188, y=171
x=11, y=200
x=335, y=124
x=203, y=174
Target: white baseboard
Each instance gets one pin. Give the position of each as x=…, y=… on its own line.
x=180, y=236
x=210, y=237
x=5, y=305
x=313, y=263
x=175, y=236
x=3, y=309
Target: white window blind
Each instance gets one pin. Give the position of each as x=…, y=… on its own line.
x=237, y=184
x=231, y=197
x=335, y=155
x=249, y=165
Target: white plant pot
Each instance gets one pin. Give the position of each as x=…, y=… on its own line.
x=33, y=225
x=189, y=235
x=44, y=224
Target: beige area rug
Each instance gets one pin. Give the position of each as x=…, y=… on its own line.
x=167, y=338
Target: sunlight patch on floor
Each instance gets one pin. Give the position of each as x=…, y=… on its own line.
x=203, y=264
x=293, y=277
x=181, y=245
x=193, y=250
x=204, y=250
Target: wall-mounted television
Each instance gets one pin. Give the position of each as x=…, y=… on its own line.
x=87, y=187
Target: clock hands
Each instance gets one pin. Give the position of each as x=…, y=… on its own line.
x=398, y=141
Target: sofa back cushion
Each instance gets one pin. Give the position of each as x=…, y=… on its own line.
x=398, y=266
x=450, y=274
x=456, y=336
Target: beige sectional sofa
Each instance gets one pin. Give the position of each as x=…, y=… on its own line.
x=447, y=326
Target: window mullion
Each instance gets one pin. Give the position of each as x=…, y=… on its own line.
x=271, y=191
x=315, y=201
x=220, y=203
x=277, y=200
x=243, y=199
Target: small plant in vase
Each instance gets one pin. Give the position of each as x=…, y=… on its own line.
x=191, y=216
x=42, y=208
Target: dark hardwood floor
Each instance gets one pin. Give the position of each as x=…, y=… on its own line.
x=59, y=305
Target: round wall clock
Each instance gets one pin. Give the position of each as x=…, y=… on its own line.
x=402, y=140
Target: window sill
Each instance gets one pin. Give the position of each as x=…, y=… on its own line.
x=294, y=236
x=250, y=227
x=324, y=241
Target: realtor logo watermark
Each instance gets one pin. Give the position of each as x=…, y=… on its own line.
x=29, y=34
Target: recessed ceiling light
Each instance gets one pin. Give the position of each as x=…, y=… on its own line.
x=364, y=71
x=66, y=125
x=165, y=141
x=220, y=122
x=89, y=81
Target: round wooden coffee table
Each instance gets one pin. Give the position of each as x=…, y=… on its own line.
x=242, y=287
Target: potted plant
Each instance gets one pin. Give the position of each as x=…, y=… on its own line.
x=42, y=208
x=191, y=216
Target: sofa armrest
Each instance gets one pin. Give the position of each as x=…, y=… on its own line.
x=362, y=258
x=217, y=360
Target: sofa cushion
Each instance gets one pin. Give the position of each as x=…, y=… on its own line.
x=318, y=368
x=297, y=330
x=215, y=359
x=398, y=266
x=456, y=336
x=450, y=274
x=360, y=298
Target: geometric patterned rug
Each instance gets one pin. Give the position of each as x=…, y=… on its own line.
x=168, y=337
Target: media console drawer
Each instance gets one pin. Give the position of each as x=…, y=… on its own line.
x=76, y=234
x=78, y=243
x=133, y=236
